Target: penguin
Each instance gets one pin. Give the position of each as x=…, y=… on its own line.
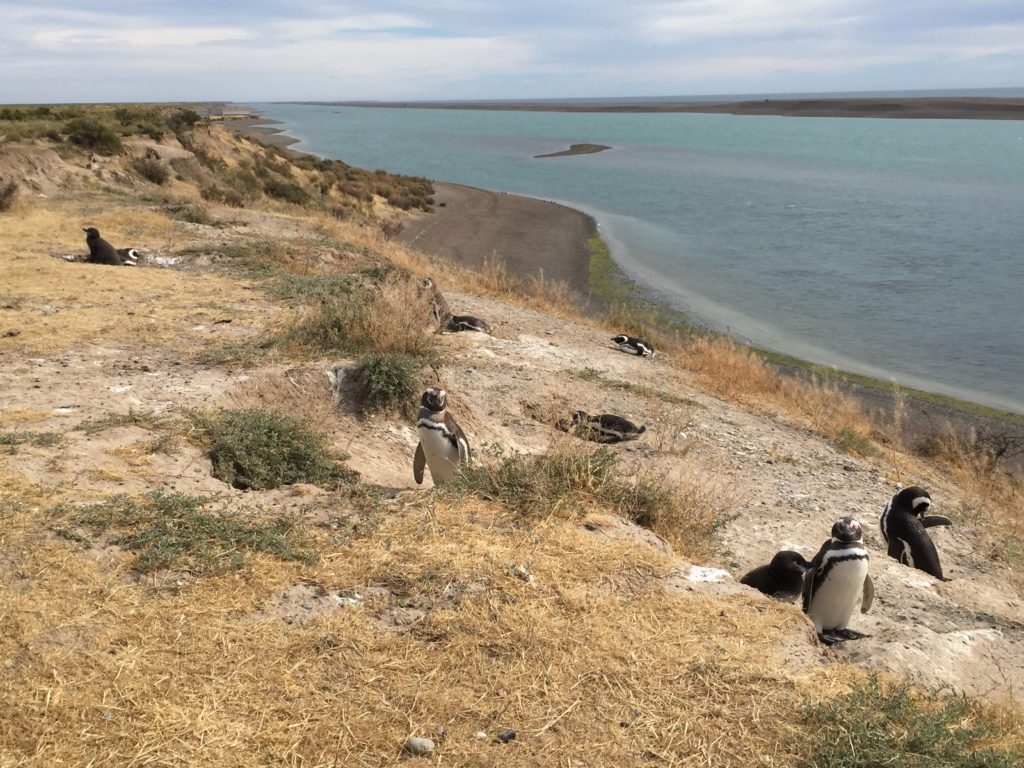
x=129, y=256
x=100, y=251
x=443, y=445
x=634, y=346
x=903, y=525
x=782, y=578
x=468, y=323
x=605, y=428
x=439, y=312
x=837, y=577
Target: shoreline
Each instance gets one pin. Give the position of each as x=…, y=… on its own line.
x=535, y=237
x=900, y=108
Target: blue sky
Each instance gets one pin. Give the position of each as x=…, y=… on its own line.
x=260, y=50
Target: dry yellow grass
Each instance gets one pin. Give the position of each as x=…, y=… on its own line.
x=593, y=659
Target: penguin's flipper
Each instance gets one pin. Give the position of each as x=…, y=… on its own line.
x=869, y=594
x=418, y=463
x=464, y=452
x=930, y=521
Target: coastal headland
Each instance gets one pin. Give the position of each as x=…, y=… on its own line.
x=933, y=108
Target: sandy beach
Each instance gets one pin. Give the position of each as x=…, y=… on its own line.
x=532, y=237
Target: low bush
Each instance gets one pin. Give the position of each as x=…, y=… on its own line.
x=91, y=133
x=8, y=194
x=878, y=724
x=151, y=170
x=387, y=382
x=259, y=449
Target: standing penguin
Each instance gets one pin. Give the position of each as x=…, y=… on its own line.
x=100, y=251
x=782, y=578
x=443, y=445
x=837, y=577
x=903, y=525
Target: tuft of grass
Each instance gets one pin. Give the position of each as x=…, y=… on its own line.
x=175, y=530
x=257, y=449
x=191, y=213
x=893, y=724
x=387, y=381
x=850, y=440
x=308, y=289
x=567, y=481
x=390, y=318
x=14, y=439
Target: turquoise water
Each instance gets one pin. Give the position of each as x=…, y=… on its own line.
x=893, y=248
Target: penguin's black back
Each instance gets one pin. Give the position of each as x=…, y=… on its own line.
x=910, y=544
x=100, y=251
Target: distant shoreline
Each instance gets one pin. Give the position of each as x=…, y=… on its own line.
x=577, y=149
x=927, y=107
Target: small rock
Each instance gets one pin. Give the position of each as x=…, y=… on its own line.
x=480, y=735
x=505, y=735
x=419, y=746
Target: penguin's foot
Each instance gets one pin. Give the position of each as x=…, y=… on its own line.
x=849, y=634
x=828, y=639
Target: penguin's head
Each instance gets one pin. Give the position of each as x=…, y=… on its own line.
x=847, y=529
x=914, y=499
x=620, y=339
x=788, y=560
x=434, y=398
x=579, y=417
x=91, y=233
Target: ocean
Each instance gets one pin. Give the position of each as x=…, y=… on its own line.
x=892, y=248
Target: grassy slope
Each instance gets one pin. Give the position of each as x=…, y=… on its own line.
x=412, y=618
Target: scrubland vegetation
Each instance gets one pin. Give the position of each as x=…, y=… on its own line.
x=305, y=616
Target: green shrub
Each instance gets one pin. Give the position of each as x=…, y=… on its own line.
x=284, y=190
x=91, y=133
x=175, y=531
x=151, y=170
x=260, y=449
x=387, y=382
x=879, y=724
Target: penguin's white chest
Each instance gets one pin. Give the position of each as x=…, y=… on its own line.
x=834, y=600
x=441, y=453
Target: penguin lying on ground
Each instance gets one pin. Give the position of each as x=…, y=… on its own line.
x=443, y=445
x=605, y=428
x=102, y=252
x=782, y=578
x=468, y=323
x=633, y=345
x=838, y=576
x=903, y=525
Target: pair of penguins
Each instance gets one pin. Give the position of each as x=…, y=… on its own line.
x=837, y=577
x=102, y=252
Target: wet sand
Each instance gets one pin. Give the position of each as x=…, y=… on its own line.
x=261, y=129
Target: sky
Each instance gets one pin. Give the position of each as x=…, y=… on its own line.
x=261, y=50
